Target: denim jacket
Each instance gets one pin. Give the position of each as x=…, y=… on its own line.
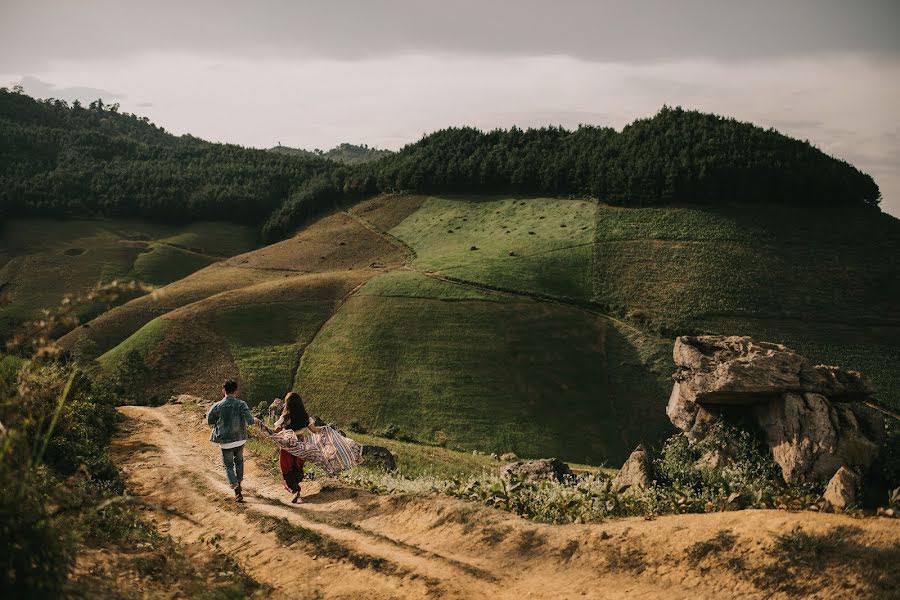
x=230, y=416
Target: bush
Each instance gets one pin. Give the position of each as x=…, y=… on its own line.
x=748, y=478
x=54, y=454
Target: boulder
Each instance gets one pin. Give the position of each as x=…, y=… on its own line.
x=841, y=490
x=713, y=460
x=543, y=469
x=811, y=415
x=811, y=438
x=635, y=473
x=188, y=399
x=378, y=457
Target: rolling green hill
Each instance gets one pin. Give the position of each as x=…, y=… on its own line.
x=509, y=310
x=546, y=340
x=42, y=260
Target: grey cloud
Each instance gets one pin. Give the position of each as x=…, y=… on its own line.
x=43, y=89
x=35, y=32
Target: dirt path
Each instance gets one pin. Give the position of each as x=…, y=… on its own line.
x=345, y=542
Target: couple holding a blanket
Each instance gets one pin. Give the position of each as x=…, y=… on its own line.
x=323, y=446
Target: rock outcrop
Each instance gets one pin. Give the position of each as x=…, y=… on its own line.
x=634, y=475
x=811, y=415
x=546, y=469
x=841, y=490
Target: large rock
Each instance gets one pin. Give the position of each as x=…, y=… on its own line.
x=811, y=438
x=811, y=415
x=841, y=490
x=378, y=457
x=634, y=475
x=543, y=469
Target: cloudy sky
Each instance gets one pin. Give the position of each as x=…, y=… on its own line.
x=314, y=74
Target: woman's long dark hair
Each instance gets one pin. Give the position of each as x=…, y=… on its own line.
x=295, y=411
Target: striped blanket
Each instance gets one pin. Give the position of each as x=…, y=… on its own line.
x=327, y=449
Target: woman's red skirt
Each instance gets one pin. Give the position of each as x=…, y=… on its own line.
x=291, y=470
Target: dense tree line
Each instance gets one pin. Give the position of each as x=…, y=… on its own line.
x=676, y=156
x=60, y=160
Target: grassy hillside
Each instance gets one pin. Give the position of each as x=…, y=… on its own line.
x=823, y=282
x=41, y=260
x=489, y=372
x=386, y=316
x=538, y=245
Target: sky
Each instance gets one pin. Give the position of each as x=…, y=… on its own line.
x=384, y=73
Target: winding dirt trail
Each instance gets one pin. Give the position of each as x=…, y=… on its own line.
x=345, y=542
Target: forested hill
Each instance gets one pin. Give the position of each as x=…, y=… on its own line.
x=677, y=156
x=348, y=154
x=61, y=160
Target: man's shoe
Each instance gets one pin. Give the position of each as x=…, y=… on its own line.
x=296, y=497
x=238, y=497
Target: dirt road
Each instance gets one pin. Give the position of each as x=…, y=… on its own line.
x=344, y=542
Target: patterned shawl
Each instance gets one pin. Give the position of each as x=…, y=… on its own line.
x=327, y=449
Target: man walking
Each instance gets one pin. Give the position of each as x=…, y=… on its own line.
x=230, y=417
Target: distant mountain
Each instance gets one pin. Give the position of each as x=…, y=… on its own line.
x=348, y=154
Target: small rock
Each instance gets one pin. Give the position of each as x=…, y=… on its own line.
x=603, y=534
x=537, y=470
x=841, y=490
x=379, y=458
x=473, y=248
x=511, y=253
x=530, y=233
x=635, y=473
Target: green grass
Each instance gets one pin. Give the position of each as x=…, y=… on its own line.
x=41, y=260
x=410, y=284
x=266, y=340
x=532, y=378
x=820, y=282
x=161, y=264
x=550, y=240
x=680, y=266
x=143, y=341
x=215, y=238
x=418, y=460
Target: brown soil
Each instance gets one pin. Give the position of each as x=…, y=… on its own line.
x=344, y=542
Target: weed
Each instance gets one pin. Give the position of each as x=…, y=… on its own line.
x=723, y=540
x=567, y=551
x=626, y=559
x=529, y=540
x=494, y=535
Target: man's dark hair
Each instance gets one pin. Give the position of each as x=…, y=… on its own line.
x=230, y=386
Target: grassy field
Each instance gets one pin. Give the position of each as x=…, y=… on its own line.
x=528, y=377
x=537, y=245
x=41, y=260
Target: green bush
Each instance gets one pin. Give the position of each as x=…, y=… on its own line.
x=54, y=468
x=747, y=478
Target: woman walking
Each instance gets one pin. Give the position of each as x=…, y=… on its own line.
x=325, y=447
x=293, y=418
